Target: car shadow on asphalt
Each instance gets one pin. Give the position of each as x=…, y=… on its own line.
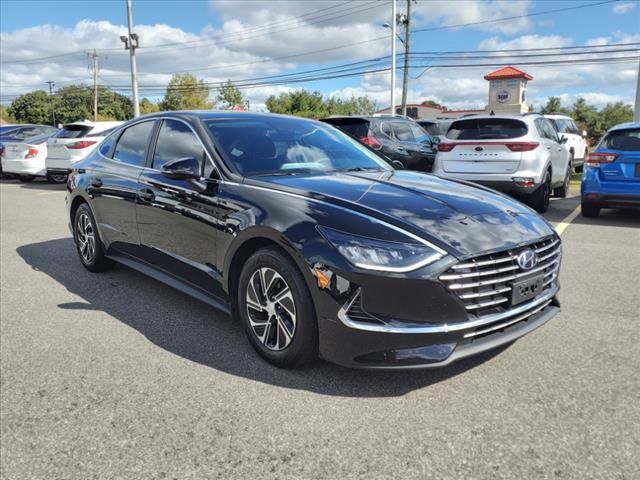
x=186, y=327
x=36, y=184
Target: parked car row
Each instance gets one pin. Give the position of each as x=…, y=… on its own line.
x=30, y=151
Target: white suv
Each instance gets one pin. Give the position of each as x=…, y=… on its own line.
x=72, y=143
x=576, y=140
x=517, y=154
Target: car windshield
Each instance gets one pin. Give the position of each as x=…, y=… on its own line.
x=626, y=140
x=286, y=146
x=486, y=128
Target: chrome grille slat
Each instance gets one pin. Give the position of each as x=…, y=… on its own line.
x=487, y=304
x=486, y=293
x=502, y=325
x=484, y=284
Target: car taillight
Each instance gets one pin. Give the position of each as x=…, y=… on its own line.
x=32, y=152
x=372, y=142
x=595, y=159
x=446, y=147
x=522, y=146
x=79, y=145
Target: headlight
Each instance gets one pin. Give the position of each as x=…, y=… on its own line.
x=383, y=255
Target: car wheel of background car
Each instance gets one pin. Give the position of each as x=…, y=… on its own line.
x=539, y=200
x=26, y=178
x=563, y=190
x=88, y=243
x=589, y=210
x=399, y=165
x=277, y=309
x=57, y=178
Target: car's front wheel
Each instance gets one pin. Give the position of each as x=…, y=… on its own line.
x=88, y=242
x=277, y=310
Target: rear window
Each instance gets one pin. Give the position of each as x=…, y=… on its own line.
x=357, y=128
x=627, y=140
x=486, y=128
x=436, y=129
x=74, y=131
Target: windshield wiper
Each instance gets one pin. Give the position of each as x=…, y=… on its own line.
x=361, y=169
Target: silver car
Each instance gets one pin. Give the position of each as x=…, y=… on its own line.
x=521, y=155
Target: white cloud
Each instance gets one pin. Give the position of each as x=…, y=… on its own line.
x=622, y=8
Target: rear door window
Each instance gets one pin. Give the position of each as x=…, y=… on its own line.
x=420, y=134
x=487, y=129
x=403, y=132
x=74, y=131
x=132, y=144
x=176, y=141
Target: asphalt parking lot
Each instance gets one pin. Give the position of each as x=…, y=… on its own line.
x=118, y=376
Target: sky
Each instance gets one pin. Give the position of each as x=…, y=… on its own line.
x=242, y=40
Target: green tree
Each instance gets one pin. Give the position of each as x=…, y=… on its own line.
x=32, y=107
x=433, y=103
x=311, y=104
x=554, y=105
x=229, y=95
x=5, y=117
x=147, y=106
x=186, y=92
x=75, y=102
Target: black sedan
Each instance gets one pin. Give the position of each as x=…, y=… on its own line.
x=312, y=241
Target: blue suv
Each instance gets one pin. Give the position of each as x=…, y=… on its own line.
x=612, y=171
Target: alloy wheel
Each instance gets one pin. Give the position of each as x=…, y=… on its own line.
x=61, y=178
x=271, y=308
x=86, y=238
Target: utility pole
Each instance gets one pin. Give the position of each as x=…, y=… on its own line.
x=94, y=68
x=393, y=57
x=131, y=43
x=51, y=84
x=405, y=77
x=636, y=110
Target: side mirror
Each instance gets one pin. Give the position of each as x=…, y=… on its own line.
x=563, y=139
x=182, y=169
x=584, y=134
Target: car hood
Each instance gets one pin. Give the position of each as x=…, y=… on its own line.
x=466, y=218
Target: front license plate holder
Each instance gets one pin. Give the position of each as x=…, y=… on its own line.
x=526, y=289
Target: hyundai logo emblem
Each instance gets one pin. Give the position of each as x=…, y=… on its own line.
x=478, y=149
x=527, y=259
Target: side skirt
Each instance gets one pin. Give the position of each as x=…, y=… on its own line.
x=172, y=281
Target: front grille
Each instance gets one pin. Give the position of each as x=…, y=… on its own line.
x=356, y=313
x=484, y=284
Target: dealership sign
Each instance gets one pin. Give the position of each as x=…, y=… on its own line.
x=503, y=96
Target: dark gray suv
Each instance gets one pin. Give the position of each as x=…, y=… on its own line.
x=400, y=139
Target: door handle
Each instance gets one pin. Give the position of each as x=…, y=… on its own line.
x=96, y=182
x=146, y=194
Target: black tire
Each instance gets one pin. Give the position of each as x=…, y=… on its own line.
x=26, y=178
x=563, y=190
x=539, y=200
x=57, y=178
x=589, y=210
x=282, y=339
x=93, y=258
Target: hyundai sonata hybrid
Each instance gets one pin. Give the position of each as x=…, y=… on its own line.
x=313, y=242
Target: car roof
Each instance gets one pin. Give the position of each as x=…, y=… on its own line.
x=558, y=115
x=499, y=117
x=625, y=126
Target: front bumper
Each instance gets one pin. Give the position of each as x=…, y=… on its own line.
x=435, y=319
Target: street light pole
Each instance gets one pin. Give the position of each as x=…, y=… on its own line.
x=131, y=43
x=51, y=84
x=636, y=110
x=393, y=57
x=405, y=76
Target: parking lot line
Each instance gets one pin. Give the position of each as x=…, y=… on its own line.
x=561, y=227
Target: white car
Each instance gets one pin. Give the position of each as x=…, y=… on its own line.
x=25, y=159
x=576, y=145
x=73, y=143
x=517, y=154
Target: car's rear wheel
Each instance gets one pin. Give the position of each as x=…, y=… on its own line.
x=589, y=210
x=57, y=177
x=277, y=310
x=563, y=190
x=539, y=200
x=88, y=242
